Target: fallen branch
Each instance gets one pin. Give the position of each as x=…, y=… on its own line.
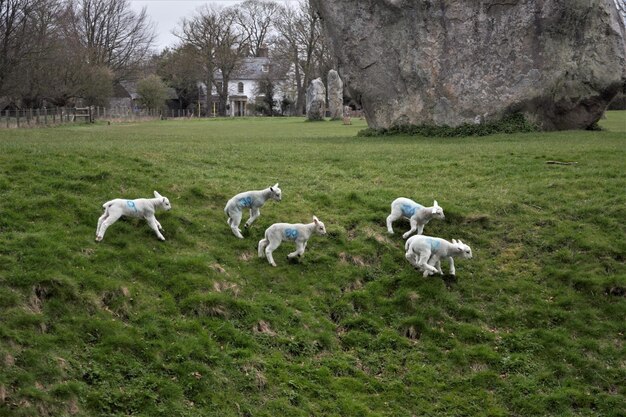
x=561, y=163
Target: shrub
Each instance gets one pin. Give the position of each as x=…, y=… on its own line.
x=512, y=123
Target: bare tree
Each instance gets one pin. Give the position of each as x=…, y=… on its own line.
x=232, y=47
x=299, y=35
x=112, y=34
x=256, y=19
x=180, y=68
x=199, y=34
x=16, y=23
x=220, y=46
x=32, y=78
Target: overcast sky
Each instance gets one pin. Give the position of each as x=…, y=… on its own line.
x=167, y=14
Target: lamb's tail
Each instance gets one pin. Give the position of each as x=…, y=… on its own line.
x=106, y=205
x=262, y=245
x=227, y=208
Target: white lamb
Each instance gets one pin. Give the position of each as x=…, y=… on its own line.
x=141, y=208
x=425, y=252
x=298, y=233
x=417, y=214
x=252, y=200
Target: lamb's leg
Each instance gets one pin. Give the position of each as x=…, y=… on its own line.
x=234, y=224
x=420, y=229
x=262, y=245
x=413, y=222
x=423, y=263
x=159, y=225
x=299, y=250
x=412, y=258
x=112, y=218
x=271, y=247
x=435, y=261
x=100, y=220
x=152, y=222
x=452, y=270
x=395, y=215
x=254, y=213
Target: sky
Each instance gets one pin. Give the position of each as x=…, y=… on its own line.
x=167, y=14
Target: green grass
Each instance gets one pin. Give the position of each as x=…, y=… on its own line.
x=198, y=325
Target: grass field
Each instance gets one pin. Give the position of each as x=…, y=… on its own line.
x=197, y=325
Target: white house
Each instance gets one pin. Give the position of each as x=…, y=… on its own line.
x=244, y=85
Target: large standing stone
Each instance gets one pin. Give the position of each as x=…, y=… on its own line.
x=452, y=62
x=315, y=100
x=335, y=95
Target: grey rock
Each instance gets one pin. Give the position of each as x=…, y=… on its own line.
x=452, y=62
x=315, y=100
x=335, y=95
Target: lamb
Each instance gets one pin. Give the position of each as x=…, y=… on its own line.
x=298, y=233
x=417, y=214
x=423, y=252
x=252, y=200
x=141, y=208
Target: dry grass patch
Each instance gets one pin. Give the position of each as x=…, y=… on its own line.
x=218, y=268
x=263, y=327
x=221, y=286
x=246, y=256
x=346, y=258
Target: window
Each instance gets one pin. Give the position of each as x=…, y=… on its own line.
x=240, y=88
x=265, y=68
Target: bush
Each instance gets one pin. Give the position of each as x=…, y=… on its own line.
x=512, y=123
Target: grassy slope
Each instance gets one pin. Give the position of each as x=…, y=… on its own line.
x=197, y=325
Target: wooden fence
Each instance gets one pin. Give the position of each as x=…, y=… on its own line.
x=62, y=115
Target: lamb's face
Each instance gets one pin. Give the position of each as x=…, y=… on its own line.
x=166, y=203
x=276, y=193
x=464, y=251
x=438, y=213
x=320, y=229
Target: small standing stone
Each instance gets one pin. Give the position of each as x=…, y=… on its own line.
x=315, y=100
x=335, y=95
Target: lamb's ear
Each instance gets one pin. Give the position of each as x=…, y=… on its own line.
x=436, y=204
x=316, y=220
x=454, y=241
x=157, y=195
x=275, y=185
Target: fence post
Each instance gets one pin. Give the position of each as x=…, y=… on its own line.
x=45, y=116
x=17, y=112
x=37, y=114
x=7, y=114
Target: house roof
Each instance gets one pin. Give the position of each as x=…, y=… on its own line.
x=250, y=69
x=126, y=89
